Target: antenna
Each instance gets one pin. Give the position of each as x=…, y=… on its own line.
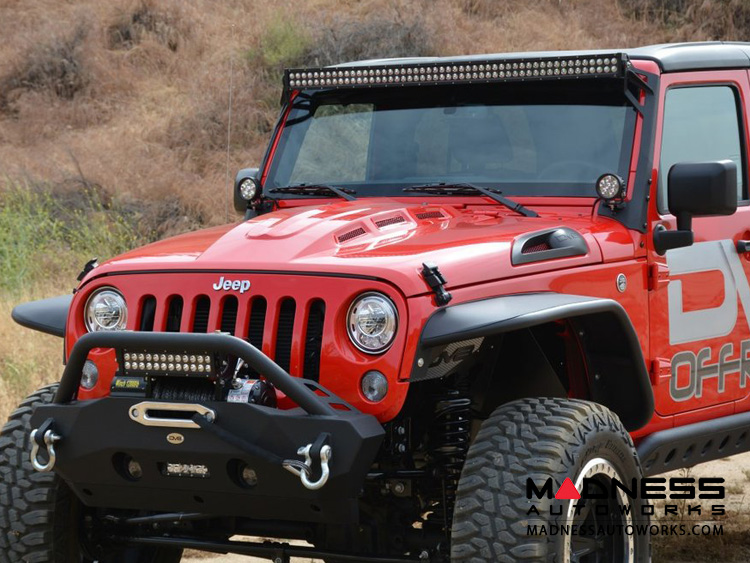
x=228, y=188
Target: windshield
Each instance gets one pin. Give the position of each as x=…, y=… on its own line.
x=543, y=138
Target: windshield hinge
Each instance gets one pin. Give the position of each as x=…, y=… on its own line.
x=436, y=281
x=633, y=79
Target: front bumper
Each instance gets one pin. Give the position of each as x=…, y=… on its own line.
x=97, y=435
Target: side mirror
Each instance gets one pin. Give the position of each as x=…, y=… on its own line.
x=700, y=189
x=246, y=188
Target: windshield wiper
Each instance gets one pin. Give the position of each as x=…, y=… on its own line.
x=316, y=190
x=465, y=188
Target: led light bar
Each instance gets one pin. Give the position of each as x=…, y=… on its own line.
x=167, y=363
x=185, y=470
x=469, y=72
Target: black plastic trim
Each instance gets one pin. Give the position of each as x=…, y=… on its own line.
x=688, y=445
x=634, y=212
x=46, y=315
x=608, y=337
x=563, y=242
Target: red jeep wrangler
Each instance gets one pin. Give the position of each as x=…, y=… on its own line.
x=459, y=283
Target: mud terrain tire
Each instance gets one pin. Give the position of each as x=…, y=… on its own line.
x=539, y=439
x=38, y=513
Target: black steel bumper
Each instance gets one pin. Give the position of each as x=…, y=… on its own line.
x=97, y=435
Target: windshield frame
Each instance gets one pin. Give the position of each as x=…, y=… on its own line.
x=588, y=92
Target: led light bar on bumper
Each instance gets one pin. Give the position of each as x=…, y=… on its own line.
x=146, y=362
x=454, y=72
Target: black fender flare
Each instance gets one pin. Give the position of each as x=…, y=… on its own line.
x=46, y=315
x=613, y=353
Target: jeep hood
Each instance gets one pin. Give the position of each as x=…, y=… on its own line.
x=384, y=239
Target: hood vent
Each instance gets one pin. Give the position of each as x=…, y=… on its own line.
x=358, y=232
x=430, y=215
x=547, y=245
x=395, y=220
x=530, y=249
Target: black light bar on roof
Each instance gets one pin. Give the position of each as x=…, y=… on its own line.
x=454, y=72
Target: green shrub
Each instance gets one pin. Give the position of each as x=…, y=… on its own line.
x=45, y=235
x=284, y=44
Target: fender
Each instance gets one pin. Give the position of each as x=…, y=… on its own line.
x=47, y=315
x=609, y=340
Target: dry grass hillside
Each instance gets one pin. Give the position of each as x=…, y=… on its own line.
x=114, y=115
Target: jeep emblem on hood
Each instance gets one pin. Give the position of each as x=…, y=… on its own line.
x=236, y=285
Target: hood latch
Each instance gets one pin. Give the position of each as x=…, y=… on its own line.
x=436, y=281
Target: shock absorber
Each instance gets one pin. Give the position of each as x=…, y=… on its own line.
x=449, y=445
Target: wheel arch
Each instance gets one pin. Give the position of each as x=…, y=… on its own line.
x=608, y=343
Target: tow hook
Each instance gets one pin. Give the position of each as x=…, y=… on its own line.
x=44, y=437
x=319, y=451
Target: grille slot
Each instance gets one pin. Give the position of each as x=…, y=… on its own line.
x=174, y=314
x=148, y=314
x=257, y=322
x=202, y=309
x=314, y=340
x=390, y=221
x=284, y=333
x=358, y=232
x=229, y=314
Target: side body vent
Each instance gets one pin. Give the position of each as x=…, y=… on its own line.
x=547, y=245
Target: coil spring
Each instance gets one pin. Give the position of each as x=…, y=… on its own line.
x=449, y=445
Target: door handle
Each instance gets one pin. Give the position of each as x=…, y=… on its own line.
x=743, y=246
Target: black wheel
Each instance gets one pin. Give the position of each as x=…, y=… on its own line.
x=540, y=439
x=40, y=518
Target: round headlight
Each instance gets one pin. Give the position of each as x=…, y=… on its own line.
x=248, y=189
x=106, y=310
x=372, y=322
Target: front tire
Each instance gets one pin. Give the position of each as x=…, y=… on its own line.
x=40, y=518
x=540, y=439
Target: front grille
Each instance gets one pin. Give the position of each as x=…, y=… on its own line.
x=148, y=310
x=229, y=314
x=174, y=314
x=314, y=340
x=285, y=329
x=284, y=333
x=202, y=310
x=257, y=322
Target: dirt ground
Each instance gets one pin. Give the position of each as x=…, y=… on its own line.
x=735, y=470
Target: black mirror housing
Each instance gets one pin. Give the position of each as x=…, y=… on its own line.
x=240, y=203
x=702, y=189
x=696, y=189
